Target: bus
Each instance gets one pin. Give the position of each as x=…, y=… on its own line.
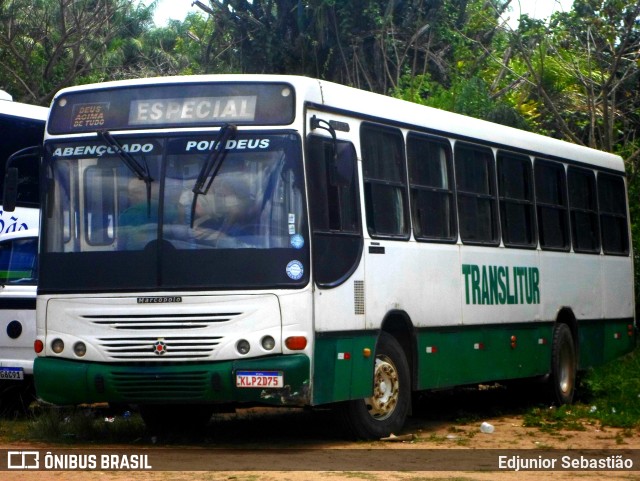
x=18, y=283
x=224, y=241
x=21, y=127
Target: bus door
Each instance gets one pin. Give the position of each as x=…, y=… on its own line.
x=337, y=247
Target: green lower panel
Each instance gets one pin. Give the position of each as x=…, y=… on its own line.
x=61, y=381
x=604, y=340
x=467, y=355
x=342, y=370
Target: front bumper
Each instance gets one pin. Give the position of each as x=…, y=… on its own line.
x=66, y=382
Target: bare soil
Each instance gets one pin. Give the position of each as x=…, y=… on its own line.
x=443, y=421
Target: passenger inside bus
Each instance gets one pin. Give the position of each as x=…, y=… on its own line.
x=227, y=214
x=139, y=222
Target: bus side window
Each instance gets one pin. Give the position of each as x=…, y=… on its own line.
x=334, y=209
x=384, y=181
x=475, y=182
x=517, y=208
x=583, y=207
x=431, y=189
x=551, y=202
x=613, y=214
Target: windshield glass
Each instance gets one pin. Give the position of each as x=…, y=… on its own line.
x=106, y=228
x=18, y=261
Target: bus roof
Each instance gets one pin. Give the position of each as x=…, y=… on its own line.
x=368, y=105
x=27, y=111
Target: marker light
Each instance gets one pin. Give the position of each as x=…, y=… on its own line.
x=243, y=346
x=57, y=345
x=268, y=343
x=80, y=349
x=38, y=346
x=296, y=343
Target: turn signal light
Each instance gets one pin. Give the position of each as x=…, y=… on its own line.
x=296, y=343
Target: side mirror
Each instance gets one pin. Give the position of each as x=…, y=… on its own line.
x=10, y=193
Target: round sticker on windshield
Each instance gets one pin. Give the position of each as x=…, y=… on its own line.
x=295, y=270
x=297, y=241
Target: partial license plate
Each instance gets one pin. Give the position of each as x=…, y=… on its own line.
x=12, y=373
x=259, y=379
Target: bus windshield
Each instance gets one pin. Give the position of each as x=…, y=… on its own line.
x=248, y=230
x=18, y=261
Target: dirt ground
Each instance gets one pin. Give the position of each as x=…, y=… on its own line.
x=307, y=445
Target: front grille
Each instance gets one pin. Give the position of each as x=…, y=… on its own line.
x=156, y=386
x=170, y=348
x=164, y=321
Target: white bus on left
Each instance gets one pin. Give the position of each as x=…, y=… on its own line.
x=21, y=126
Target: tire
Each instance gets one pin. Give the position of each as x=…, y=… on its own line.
x=386, y=410
x=564, y=365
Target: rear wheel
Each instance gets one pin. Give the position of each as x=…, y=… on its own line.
x=386, y=410
x=564, y=365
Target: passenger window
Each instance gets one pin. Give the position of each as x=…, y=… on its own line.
x=551, y=202
x=431, y=188
x=583, y=208
x=475, y=182
x=613, y=214
x=384, y=181
x=515, y=186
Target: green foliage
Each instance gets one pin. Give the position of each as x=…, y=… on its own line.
x=613, y=392
x=609, y=396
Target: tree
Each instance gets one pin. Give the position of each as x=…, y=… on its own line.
x=49, y=44
x=584, y=69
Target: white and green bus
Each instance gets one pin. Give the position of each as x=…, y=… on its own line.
x=277, y=240
x=21, y=126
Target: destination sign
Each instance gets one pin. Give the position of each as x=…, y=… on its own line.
x=192, y=110
x=179, y=105
x=90, y=115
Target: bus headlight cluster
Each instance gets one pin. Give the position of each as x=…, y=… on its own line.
x=268, y=343
x=80, y=349
x=57, y=345
x=243, y=347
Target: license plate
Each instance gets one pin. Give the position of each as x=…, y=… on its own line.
x=12, y=373
x=259, y=379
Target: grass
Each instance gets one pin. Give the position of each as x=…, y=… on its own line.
x=85, y=425
x=608, y=395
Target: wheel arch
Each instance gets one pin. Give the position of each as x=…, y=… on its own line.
x=566, y=316
x=398, y=324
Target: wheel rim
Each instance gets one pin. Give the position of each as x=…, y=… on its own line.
x=386, y=389
x=566, y=377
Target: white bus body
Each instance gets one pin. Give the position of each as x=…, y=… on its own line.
x=392, y=248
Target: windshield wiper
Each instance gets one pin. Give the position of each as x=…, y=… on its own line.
x=212, y=165
x=140, y=170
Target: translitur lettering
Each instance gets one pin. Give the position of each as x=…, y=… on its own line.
x=499, y=285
